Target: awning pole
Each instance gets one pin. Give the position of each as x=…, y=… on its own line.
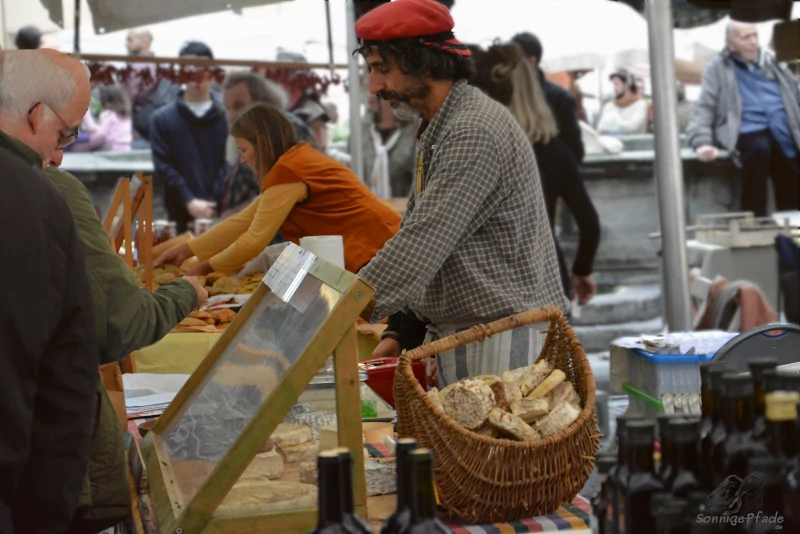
x=669, y=167
x=330, y=37
x=354, y=77
x=77, y=51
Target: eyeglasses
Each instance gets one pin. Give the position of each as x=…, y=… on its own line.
x=66, y=139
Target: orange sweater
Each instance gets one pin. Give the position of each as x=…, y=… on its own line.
x=306, y=193
x=338, y=203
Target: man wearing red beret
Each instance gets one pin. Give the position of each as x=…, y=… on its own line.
x=475, y=244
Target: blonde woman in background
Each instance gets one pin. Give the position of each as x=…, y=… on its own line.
x=504, y=75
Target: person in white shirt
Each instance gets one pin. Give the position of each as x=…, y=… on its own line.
x=627, y=113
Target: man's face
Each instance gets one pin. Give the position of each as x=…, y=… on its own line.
x=201, y=80
x=404, y=93
x=321, y=135
x=744, y=41
x=237, y=100
x=134, y=43
x=620, y=89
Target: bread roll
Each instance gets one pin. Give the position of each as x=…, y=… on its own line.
x=504, y=392
x=263, y=466
x=512, y=425
x=530, y=410
x=534, y=376
x=300, y=453
x=433, y=394
x=468, y=402
x=549, y=383
x=558, y=419
x=564, y=392
x=290, y=435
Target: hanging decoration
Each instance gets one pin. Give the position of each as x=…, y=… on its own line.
x=107, y=73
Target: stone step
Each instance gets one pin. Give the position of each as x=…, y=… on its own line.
x=624, y=304
x=598, y=338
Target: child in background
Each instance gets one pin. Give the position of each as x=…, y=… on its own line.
x=115, y=129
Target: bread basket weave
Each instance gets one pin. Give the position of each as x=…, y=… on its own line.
x=486, y=480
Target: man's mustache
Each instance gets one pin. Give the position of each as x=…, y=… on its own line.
x=390, y=95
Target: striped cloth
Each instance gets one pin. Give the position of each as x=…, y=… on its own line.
x=569, y=517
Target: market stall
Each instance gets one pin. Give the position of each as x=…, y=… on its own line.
x=235, y=450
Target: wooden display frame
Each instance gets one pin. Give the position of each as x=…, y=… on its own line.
x=337, y=336
x=137, y=206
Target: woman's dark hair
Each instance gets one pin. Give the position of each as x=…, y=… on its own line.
x=416, y=59
x=270, y=133
x=114, y=98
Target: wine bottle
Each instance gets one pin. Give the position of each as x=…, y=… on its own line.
x=685, y=473
x=665, y=442
x=636, y=515
x=671, y=516
x=617, y=472
x=423, y=512
x=351, y=520
x=329, y=478
x=398, y=521
x=708, y=397
x=769, y=513
x=598, y=519
x=733, y=453
x=757, y=368
x=784, y=446
x=717, y=431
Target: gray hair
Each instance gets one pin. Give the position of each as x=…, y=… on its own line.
x=730, y=32
x=28, y=77
x=262, y=90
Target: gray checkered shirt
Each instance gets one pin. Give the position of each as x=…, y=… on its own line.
x=476, y=244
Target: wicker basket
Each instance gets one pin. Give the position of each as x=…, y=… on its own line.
x=486, y=480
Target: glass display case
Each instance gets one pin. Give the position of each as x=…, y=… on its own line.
x=197, y=451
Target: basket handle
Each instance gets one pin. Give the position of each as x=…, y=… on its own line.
x=481, y=332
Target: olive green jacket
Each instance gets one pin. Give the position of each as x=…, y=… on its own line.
x=128, y=318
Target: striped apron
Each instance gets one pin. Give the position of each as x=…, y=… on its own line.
x=502, y=352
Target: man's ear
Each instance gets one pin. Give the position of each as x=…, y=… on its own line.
x=36, y=118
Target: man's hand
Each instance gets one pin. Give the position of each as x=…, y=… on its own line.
x=387, y=348
x=584, y=288
x=201, y=209
x=176, y=255
x=201, y=269
x=707, y=153
x=202, y=293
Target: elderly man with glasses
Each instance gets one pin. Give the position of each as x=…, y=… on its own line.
x=48, y=343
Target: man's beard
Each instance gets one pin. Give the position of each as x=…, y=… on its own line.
x=401, y=100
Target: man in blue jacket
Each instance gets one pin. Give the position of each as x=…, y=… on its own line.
x=188, y=139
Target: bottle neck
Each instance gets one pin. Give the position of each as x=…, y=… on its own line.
x=330, y=501
x=719, y=407
x=405, y=486
x=622, y=452
x=738, y=414
x=640, y=458
x=708, y=400
x=685, y=457
x=782, y=438
x=348, y=507
x=759, y=399
x=424, y=499
x=667, y=452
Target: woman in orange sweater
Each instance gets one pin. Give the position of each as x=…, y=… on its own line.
x=303, y=193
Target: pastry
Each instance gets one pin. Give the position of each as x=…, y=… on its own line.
x=223, y=315
x=433, y=394
x=468, y=402
x=534, y=376
x=213, y=277
x=530, y=410
x=191, y=321
x=564, y=392
x=548, y=384
x=263, y=466
x=300, y=453
x=290, y=435
x=164, y=278
x=558, y=419
x=512, y=425
x=224, y=286
x=504, y=393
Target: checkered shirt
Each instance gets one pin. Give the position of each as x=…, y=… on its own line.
x=476, y=244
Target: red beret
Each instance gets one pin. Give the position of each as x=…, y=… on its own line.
x=404, y=19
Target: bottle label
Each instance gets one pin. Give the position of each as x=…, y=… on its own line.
x=695, y=407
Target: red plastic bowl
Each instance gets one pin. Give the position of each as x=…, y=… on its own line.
x=380, y=374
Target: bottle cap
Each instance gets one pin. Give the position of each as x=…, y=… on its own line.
x=640, y=432
x=782, y=406
x=759, y=365
x=328, y=457
x=737, y=386
x=705, y=367
x=790, y=381
x=404, y=446
x=715, y=377
x=772, y=380
x=605, y=462
x=685, y=431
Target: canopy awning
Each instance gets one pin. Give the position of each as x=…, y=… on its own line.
x=113, y=15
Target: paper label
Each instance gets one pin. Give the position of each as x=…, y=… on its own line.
x=286, y=274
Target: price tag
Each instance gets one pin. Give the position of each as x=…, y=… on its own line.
x=288, y=271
